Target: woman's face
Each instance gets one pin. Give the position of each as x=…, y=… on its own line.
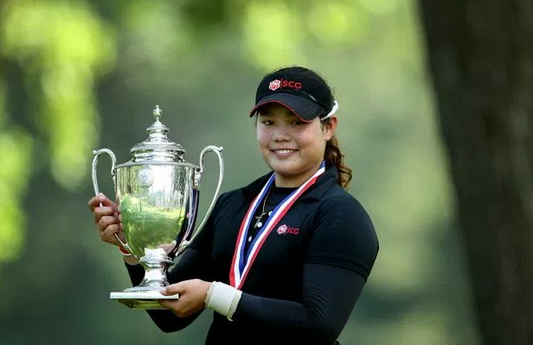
x=293, y=149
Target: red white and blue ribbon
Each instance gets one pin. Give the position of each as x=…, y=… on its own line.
x=243, y=261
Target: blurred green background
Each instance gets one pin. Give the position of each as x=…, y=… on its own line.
x=82, y=75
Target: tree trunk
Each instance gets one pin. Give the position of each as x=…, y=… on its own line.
x=480, y=54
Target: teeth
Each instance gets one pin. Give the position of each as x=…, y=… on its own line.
x=284, y=151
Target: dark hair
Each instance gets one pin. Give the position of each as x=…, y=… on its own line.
x=334, y=157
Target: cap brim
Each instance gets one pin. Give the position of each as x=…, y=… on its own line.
x=302, y=107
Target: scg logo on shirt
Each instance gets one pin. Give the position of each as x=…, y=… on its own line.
x=284, y=229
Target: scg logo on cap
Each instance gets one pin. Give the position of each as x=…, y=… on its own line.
x=277, y=83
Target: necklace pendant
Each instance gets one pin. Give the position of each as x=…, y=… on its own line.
x=258, y=224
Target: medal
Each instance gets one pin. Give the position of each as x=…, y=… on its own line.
x=243, y=261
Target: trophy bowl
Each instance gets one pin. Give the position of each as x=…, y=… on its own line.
x=157, y=193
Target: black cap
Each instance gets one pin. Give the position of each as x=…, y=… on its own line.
x=298, y=89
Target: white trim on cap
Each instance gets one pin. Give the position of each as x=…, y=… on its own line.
x=333, y=111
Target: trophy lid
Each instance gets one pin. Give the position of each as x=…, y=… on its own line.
x=157, y=148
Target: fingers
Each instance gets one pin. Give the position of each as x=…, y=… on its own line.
x=101, y=200
x=108, y=227
x=169, y=304
x=173, y=305
x=103, y=211
x=191, y=297
x=108, y=235
x=173, y=289
x=107, y=218
x=106, y=221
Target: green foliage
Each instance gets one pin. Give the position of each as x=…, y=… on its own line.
x=15, y=155
x=63, y=46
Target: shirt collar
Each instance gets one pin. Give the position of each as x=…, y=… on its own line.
x=324, y=183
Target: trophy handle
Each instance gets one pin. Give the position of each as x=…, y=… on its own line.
x=197, y=177
x=110, y=153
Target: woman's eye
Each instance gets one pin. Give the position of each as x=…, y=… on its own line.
x=297, y=122
x=267, y=122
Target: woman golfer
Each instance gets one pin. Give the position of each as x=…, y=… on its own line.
x=283, y=259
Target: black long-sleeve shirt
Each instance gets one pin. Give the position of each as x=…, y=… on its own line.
x=303, y=284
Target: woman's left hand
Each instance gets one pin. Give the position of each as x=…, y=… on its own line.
x=191, y=297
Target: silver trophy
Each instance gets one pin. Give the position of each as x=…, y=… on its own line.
x=157, y=193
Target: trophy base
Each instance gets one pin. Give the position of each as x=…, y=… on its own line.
x=141, y=300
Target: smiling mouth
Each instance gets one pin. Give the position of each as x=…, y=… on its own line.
x=284, y=151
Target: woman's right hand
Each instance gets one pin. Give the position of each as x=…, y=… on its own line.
x=108, y=224
x=107, y=219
